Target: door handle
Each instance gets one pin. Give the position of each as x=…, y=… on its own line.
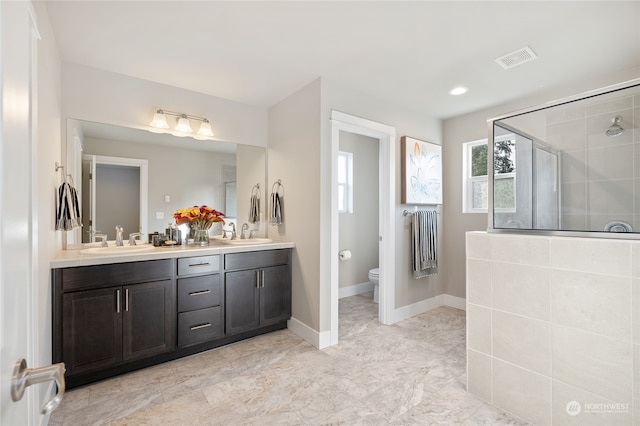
x=24, y=377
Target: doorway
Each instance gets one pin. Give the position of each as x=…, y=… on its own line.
x=358, y=212
x=385, y=135
x=114, y=192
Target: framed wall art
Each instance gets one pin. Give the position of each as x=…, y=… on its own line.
x=421, y=171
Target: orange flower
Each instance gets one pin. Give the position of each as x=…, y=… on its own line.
x=200, y=217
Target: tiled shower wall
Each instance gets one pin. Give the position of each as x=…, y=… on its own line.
x=600, y=175
x=553, y=327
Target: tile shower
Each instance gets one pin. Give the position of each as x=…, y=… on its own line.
x=553, y=327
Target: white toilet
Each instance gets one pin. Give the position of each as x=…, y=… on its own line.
x=374, y=277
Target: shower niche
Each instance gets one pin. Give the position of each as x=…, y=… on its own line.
x=571, y=165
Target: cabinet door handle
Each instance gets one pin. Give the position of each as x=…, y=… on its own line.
x=198, y=293
x=126, y=300
x=262, y=277
x=117, y=301
x=199, y=264
x=196, y=327
x=257, y=279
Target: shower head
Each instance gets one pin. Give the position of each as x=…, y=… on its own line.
x=615, y=129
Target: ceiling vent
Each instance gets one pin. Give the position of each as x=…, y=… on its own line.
x=516, y=58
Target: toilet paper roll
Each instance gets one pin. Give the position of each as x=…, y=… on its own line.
x=344, y=255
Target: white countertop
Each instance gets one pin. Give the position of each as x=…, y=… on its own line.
x=71, y=258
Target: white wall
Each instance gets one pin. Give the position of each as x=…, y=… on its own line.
x=46, y=180
x=293, y=157
x=96, y=95
x=359, y=230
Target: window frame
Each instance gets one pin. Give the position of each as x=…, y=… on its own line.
x=468, y=180
x=347, y=185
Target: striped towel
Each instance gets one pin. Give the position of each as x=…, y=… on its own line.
x=254, y=209
x=275, y=215
x=424, y=243
x=68, y=209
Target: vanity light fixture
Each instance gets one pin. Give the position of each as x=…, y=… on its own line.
x=184, y=125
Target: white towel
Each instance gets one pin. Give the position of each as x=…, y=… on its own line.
x=424, y=243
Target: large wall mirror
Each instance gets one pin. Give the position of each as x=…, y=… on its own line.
x=137, y=179
x=573, y=166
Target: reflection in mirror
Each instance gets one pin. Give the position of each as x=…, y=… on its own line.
x=569, y=167
x=180, y=172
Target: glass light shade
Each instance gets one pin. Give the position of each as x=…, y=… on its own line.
x=184, y=125
x=159, y=121
x=205, y=129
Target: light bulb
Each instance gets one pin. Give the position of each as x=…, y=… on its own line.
x=159, y=120
x=184, y=125
x=205, y=128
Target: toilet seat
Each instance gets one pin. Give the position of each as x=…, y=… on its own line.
x=375, y=273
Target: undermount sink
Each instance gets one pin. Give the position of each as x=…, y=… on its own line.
x=242, y=242
x=117, y=249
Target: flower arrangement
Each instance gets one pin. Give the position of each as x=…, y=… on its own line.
x=198, y=217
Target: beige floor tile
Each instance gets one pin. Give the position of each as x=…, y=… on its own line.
x=410, y=373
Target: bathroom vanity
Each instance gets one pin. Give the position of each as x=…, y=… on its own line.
x=117, y=312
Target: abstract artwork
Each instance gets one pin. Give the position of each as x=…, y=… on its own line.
x=421, y=172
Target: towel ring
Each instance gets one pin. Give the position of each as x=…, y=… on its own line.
x=277, y=189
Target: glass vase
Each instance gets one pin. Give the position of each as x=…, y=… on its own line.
x=201, y=237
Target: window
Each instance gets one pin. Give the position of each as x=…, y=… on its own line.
x=475, y=191
x=345, y=182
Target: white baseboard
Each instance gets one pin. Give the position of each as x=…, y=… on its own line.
x=355, y=289
x=454, y=302
x=322, y=340
x=319, y=340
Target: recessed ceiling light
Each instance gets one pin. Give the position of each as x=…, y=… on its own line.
x=458, y=91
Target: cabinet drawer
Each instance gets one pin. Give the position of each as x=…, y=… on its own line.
x=198, y=292
x=198, y=265
x=98, y=276
x=256, y=259
x=199, y=326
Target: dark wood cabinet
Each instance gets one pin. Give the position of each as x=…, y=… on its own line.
x=107, y=315
x=91, y=330
x=113, y=318
x=106, y=326
x=200, y=313
x=258, y=296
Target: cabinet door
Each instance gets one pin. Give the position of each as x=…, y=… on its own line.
x=275, y=295
x=92, y=329
x=147, y=319
x=241, y=300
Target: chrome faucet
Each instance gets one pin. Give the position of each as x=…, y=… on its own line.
x=245, y=227
x=103, y=238
x=119, y=241
x=233, y=230
x=132, y=238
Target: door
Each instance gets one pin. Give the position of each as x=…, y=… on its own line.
x=147, y=319
x=241, y=300
x=17, y=47
x=275, y=295
x=92, y=329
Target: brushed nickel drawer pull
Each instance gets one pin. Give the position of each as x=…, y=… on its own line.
x=195, y=327
x=126, y=300
x=199, y=264
x=257, y=279
x=117, y=301
x=198, y=293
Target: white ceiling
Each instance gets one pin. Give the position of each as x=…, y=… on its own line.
x=410, y=53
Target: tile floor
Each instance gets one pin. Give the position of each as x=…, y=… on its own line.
x=410, y=373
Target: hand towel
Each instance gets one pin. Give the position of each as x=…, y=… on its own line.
x=424, y=243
